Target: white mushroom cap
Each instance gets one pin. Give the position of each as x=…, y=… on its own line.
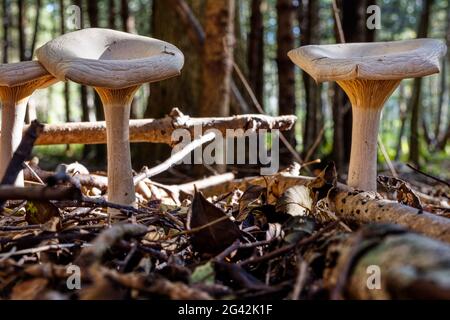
x=110, y=59
x=392, y=60
x=15, y=74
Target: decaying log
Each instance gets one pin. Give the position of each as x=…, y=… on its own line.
x=386, y=262
x=367, y=207
x=159, y=130
x=350, y=206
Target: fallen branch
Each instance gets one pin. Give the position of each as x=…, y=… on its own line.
x=174, y=159
x=409, y=266
x=366, y=207
x=39, y=193
x=159, y=130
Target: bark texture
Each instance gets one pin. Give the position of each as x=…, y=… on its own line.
x=159, y=130
x=386, y=262
x=286, y=69
x=217, y=57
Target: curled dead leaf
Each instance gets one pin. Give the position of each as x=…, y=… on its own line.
x=215, y=231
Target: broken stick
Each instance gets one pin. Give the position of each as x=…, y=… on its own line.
x=159, y=130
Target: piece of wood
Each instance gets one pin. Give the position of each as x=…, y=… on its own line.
x=385, y=262
x=366, y=207
x=39, y=193
x=158, y=130
x=174, y=159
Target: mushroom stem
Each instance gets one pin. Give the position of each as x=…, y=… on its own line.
x=117, y=105
x=362, y=172
x=13, y=116
x=367, y=98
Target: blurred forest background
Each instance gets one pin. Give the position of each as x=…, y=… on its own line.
x=228, y=43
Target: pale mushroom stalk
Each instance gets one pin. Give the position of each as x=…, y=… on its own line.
x=117, y=106
x=368, y=73
x=367, y=98
x=116, y=64
x=18, y=81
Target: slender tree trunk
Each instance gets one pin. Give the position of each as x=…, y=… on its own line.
x=440, y=107
x=125, y=15
x=256, y=50
x=93, y=13
x=111, y=14
x=217, y=57
x=286, y=69
x=414, y=141
x=127, y=26
x=100, y=150
x=66, y=84
x=442, y=138
x=239, y=103
x=6, y=22
x=83, y=91
x=314, y=114
x=22, y=23
x=183, y=91
x=36, y=30
x=403, y=116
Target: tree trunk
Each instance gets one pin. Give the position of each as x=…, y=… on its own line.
x=36, y=30
x=22, y=23
x=93, y=13
x=100, y=150
x=286, y=69
x=6, y=22
x=442, y=138
x=314, y=115
x=183, y=91
x=403, y=110
x=217, y=57
x=415, y=102
x=125, y=15
x=66, y=84
x=256, y=51
x=83, y=92
x=111, y=14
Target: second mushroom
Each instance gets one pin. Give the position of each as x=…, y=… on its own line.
x=116, y=64
x=368, y=73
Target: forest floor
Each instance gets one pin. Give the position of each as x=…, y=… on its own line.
x=278, y=237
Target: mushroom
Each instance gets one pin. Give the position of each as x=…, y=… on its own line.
x=116, y=64
x=368, y=73
x=18, y=81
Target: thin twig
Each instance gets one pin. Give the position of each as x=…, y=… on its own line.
x=337, y=18
x=40, y=249
x=197, y=229
x=428, y=175
x=387, y=158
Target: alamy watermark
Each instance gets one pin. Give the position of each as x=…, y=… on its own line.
x=373, y=281
x=374, y=20
x=238, y=146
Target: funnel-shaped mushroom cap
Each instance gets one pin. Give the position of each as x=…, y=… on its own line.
x=16, y=74
x=393, y=60
x=110, y=59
